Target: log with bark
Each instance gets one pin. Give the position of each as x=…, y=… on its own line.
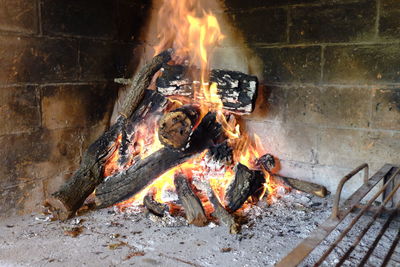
x=126, y=183
x=70, y=197
x=246, y=183
x=236, y=90
x=153, y=206
x=191, y=203
x=304, y=186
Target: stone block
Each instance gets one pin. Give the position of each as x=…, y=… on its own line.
x=386, y=109
x=19, y=16
x=131, y=15
x=286, y=142
x=19, y=109
x=25, y=59
x=105, y=61
x=333, y=23
x=256, y=25
x=329, y=106
x=90, y=18
x=389, y=23
x=362, y=64
x=76, y=105
x=349, y=148
x=291, y=64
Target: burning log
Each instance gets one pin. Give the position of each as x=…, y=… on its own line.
x=70, y=197
x=222, y=153
x=153, y=206
x=246, y=183
x=191, y=203
x=176, y=126
x=130, y=181
x=236, y=90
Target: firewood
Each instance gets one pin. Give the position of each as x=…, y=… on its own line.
x=304, y=186
x=246, y=183
x=222, y=153
x=130, y=181
x=236, y=90
x=176, y=126
x=191, y=203
x=71, y=195
x=153, y=206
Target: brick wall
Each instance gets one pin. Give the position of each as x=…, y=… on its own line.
x=332, y=82
x=58, y=61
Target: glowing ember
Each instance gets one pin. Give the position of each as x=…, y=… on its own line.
x=193, y=33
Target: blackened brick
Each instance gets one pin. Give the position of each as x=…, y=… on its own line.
x=386, y=109
x=333, y=23
x=95, y=18
x=26, y=59
x=256, y=25
x=104, y=60
x=389, y=24
x=297, y=64
x=76, y=105
x=360, y=64
x=19, y=16
x=19, y=108
x=131, y=15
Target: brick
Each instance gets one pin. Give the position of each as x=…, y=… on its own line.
x=389, y=24
x=361, y=64
x=386, y=109
x=105, y=61
x=19, y=16
x=76, y=105
x=255, y=24
x=285, y=141
x=90, y=18
x=333, y=23
x=19, y=109
x=270, y=103
x=295, y=169
x=131, y=16
x=25, y=59
x=349, y=148
x=291, y=64
x=329, y=106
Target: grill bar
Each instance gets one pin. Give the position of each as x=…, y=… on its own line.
x=389, y=173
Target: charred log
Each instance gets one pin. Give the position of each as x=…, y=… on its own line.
x=267, y=162
x=246, y=183
x=70, y=197
x=237, y=90
x=153, y=206
x=176, y=126
x=222, y=153
x=191, y=203
x=130, y=181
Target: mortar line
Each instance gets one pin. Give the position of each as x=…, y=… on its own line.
x=39, y=13
x=377, y=19
x=288, y=23
x=284, y=45
x=388, y=86
x=322, y=63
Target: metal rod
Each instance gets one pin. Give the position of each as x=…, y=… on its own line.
x=335, y=208
x=393, y=214
x=365, y=230
x=391, y=250
x=329, y=250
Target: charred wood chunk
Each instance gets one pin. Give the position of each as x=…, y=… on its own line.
x=176, y=126
x=246, y=183
x=174, y=80
x=222, y=153
x=267, y=162
x=155, y=207
x=191, y=203
x=238, y=91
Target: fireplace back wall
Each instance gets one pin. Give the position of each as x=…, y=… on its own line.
x=58, y=61
x=332, y=76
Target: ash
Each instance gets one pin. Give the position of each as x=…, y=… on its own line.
x=108, y=238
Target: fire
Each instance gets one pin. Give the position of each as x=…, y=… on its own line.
x=193, y=33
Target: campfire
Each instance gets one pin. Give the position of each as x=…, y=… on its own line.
x=180, y=148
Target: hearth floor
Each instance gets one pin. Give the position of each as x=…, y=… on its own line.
x=113, y=239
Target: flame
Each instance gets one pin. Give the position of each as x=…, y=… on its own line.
x=193, y=33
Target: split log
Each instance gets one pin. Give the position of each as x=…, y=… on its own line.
x=304, y=186
x=126, y=183
x=221, y=213
x=191, y=203
x=238, y=91
x=176, y=126
x=246, y=183
x=70, y=197
x=155, y=207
